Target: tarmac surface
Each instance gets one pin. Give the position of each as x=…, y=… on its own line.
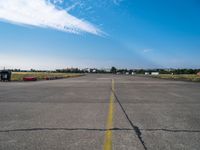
x=100, y=112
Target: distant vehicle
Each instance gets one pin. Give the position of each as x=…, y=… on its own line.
x=146, y=73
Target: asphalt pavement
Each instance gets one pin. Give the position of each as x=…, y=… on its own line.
x=100, y=112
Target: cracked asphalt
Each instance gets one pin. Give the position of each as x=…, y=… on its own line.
x=71, y=114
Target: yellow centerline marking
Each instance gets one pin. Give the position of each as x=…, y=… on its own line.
x=109, y=124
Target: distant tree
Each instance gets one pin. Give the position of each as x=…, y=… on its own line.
x=113, y=70
x=140, y=71
x=163, y=71
x=32, y=70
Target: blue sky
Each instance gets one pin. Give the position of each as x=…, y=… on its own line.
x=85, y=33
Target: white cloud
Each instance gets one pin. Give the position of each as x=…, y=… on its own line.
x=41, y=13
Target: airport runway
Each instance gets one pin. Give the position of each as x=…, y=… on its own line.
x=100, y=112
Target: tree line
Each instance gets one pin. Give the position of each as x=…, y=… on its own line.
x=114, y=70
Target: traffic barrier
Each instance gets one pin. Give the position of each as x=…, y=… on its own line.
x=30, y=79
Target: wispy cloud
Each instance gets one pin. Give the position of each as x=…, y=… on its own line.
x=72, y=6
x=57, y=1
x=147, y=50
x=117, y=2
x=42, y=13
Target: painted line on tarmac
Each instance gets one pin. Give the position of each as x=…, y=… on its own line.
x=109, y=125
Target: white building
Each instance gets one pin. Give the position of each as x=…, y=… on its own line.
x=127, y=73
x=155, y=73
x=133, y=73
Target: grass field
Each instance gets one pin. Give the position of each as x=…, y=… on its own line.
x=18, y=76
x=185, y=77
